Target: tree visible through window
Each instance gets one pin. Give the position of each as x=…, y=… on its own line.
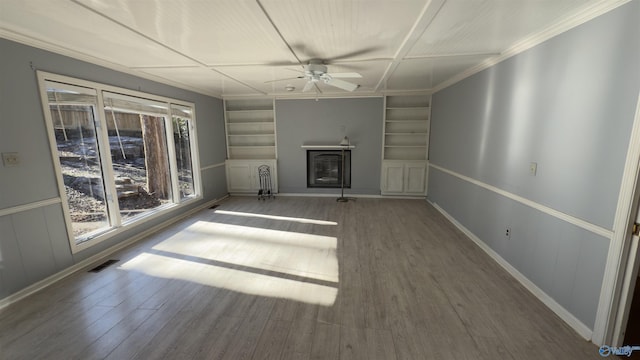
x=131, y=158
x=73, y=116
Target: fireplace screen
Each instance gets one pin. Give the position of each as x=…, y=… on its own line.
x=324, y=168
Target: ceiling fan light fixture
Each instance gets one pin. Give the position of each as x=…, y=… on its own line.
x=316, y=71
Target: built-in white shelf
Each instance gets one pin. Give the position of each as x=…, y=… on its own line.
x=406, y=127
x=250, y=129
x=328, y=147
x=405, y=145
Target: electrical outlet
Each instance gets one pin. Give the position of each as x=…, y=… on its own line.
x=507, y=233
x=10, y=159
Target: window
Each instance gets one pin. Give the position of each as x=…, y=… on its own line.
x=122, y=156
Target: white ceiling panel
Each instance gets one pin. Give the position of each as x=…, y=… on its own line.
x=232, y=47
x=207, y=80
x=257, y=76
x=346, y=29
x=490, y=26
x=424, y=74
x=213, y=32
x=70, y=26
x=261, y=77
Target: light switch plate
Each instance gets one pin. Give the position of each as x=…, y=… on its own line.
x=533, y=168
x=10, y=159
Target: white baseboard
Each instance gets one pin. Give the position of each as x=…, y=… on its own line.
x=31, y=289
x=582, y=329
x=362, y=196
x=373, y=196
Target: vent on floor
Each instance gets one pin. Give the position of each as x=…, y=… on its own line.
x=103, y=265
x=214, y=206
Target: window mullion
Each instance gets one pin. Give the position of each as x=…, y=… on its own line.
x=173, y=163
x=107, y=165
x=195, y=155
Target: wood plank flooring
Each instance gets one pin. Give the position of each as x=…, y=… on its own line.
x=294, y=278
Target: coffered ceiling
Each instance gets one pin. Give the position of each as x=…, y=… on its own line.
x=229, y=48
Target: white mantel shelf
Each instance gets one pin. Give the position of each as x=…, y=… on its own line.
x=328, y=147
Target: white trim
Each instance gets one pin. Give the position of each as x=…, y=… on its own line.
x=117, y=226
x=560, y=27
x=21, y=294
x=565, y=315
x=208, y=167
x=130, y=224
x=195, y=150
x=226, y=128
x=427, y=14
x=29, y=206
x=275, y=129
x=55, y=159
x=626, y=297
x=328, y=147
x=363, y=196
x=39, y=44
x=598, y=230
x=329, y=195
x=619, y=245
x=100, y=87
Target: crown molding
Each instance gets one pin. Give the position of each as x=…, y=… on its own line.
x=64, y=51
x=527, y=43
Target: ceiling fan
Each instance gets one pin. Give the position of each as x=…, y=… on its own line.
x=316, y=71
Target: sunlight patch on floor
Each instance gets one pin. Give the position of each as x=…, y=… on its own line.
x=232, y=279
x=299, y=254
x=275, y=263
x=275, y=217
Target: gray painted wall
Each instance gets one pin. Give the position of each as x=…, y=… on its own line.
x=567, y=104
x=325, y=122
x=34, y=244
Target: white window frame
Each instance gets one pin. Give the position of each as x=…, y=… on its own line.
x=118, y=225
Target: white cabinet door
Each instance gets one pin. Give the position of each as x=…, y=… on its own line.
x=414, y=178
x=242, y=175
x=403, y=177
x=392, y=177
x=239, y=177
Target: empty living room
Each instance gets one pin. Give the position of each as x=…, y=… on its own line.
x=344, y=179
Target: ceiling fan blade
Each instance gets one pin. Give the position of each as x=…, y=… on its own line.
x=297, y=77
x=279, y=63
x=294, y=70
x=346, y=75
x=341, y=84
x=352, y=54
x=308, y=86
x=304, y=51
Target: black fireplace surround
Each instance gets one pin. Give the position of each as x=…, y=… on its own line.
x=324, y=169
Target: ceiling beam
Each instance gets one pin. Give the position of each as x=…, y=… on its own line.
x=273, y=24
x=428, y=13
x=149, y=38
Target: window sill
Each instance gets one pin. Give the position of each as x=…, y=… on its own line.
x=131, y=224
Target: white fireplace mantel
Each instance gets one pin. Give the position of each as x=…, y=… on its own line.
x=327, y=147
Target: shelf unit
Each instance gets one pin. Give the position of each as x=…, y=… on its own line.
x=406, y=127
x=250, y=128
x=251, y=142
x=405, y=145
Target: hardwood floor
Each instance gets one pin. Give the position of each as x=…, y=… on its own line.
x=374, y=279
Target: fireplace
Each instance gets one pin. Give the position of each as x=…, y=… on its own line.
x=324, y=168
